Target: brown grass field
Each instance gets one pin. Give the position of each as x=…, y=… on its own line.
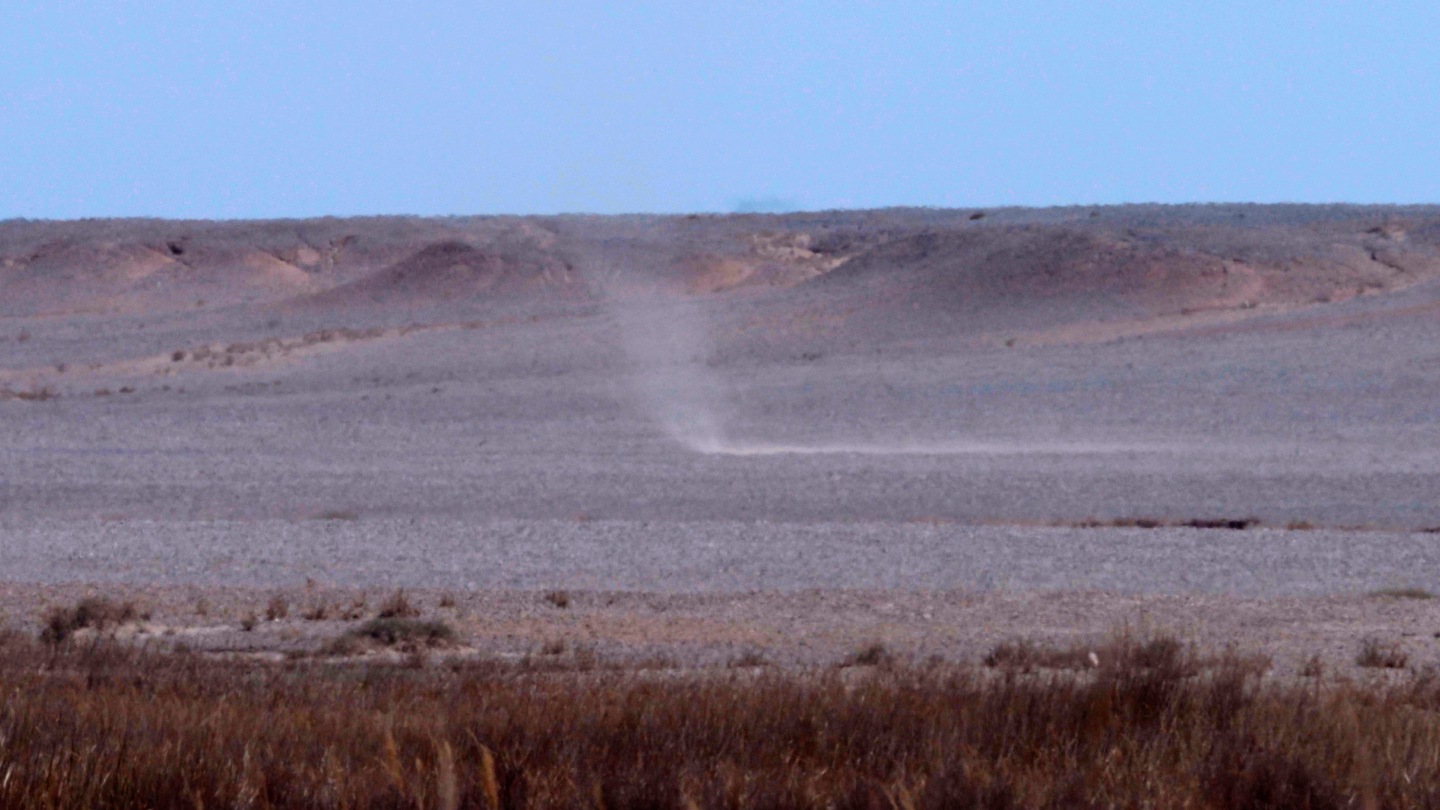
x=94, y=723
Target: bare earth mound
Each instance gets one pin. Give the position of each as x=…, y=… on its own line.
x=451, y=270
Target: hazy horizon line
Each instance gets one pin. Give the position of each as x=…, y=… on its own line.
x=723, y=213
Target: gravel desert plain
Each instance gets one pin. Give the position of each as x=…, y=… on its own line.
x=703, y=439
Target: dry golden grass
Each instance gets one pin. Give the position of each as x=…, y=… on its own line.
x=1027, y=656
x=103, y=725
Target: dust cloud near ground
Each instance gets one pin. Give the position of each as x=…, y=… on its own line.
x=798, y=432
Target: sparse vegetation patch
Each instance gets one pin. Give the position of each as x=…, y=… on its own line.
x=1378, y=654
x=872, y=655
x=403, y=632
x=1232, y=524
x=1403, y=593
x=398, y=606
x=37, y=394
x=98, y=613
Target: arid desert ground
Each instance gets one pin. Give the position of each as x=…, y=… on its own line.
x=706, y=437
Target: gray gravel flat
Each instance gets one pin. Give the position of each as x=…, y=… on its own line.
x=516, y=459
x=719, y=557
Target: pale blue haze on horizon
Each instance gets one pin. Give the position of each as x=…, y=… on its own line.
x=281, y=109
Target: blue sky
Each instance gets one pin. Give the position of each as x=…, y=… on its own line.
x=281, y=109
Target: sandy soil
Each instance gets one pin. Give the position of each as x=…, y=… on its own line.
x=785, y=435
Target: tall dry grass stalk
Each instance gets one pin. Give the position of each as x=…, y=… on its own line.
x=101, y=725
x=447, y=786
x=489, y=785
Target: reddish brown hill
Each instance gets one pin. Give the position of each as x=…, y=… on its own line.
x=68, y=276
x=1007, y=272
x=452, y=270
x=1017, y=279
x=1030, y=278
